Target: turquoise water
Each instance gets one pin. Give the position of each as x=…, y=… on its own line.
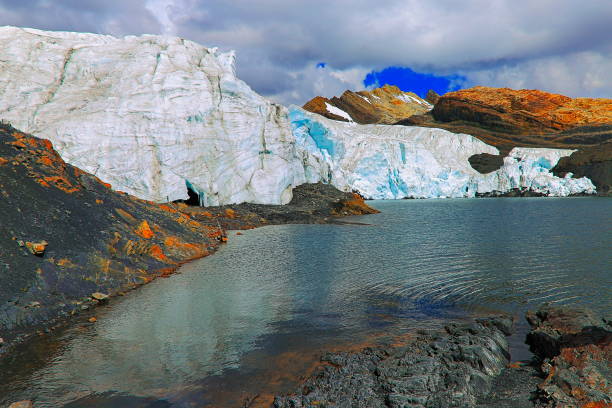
x=242, y=320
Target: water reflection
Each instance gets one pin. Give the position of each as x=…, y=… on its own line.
x=275, y=296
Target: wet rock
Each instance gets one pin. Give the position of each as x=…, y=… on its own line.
x=448, y=369
x=574, y=347
x=22, y=404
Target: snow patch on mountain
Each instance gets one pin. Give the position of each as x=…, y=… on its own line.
x=338, y=112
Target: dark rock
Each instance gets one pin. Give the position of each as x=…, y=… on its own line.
x=432, y=97
x=486, y=163
x=594, y=162
x=315, y=203
x=515, y=192
x=453, y=368
x=574, y=347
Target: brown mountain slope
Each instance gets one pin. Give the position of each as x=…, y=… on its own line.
x=506, y=118
x=385, y=105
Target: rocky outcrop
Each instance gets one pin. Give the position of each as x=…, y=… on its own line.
x=506, y=118
x=574, y=347
x=311, y=204
x=452, y=368
x=521, y=112
x=385, y=105
x=594, y=162
x=432, y=97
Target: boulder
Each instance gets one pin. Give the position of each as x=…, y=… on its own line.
x=574, y=347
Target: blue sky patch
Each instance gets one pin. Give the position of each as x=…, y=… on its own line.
x=410, y=81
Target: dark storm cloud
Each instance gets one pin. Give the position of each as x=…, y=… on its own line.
x=99, y=16
x=557, y=45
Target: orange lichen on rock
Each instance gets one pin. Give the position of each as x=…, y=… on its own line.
x=62, y=183
x=45, y=160
x=354, y=206
x=144, y=230
x=158, y=253
x=598, y=404
x=65, y=262
x=168, y=208
x=176, y=242
x=43, y=183
x=3, y=161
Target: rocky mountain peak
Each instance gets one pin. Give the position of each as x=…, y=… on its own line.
x=385, y=105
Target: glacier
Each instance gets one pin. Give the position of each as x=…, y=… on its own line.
x=393, y=162
x=149, y=114
x=153, y=115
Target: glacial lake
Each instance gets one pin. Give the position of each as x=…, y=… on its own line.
x=258, y=313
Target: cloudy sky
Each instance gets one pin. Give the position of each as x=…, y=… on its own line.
x=292, y=50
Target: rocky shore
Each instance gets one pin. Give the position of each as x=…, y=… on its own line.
x=69, y=241
x=468, y=365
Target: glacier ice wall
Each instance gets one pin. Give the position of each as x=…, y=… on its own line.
x=149, y=114
x=391, y=162
x=152, y=115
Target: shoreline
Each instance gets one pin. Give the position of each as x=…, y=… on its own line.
x=312, y=204
x=517, y=372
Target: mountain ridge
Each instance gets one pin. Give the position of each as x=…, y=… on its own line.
x=384, y=105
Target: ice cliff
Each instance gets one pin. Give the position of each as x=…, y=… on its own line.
x=148, y=114
x=152, y=115
x=391, y=162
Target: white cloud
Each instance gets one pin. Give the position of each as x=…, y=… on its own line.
x=312, y=81
x=581, y=74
